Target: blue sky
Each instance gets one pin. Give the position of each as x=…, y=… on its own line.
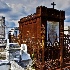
x=13, y=10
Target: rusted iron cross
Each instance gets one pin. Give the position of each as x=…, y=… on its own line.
x=53, y=4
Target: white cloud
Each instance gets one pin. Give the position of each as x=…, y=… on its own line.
x=4, y=7
x=67, y=23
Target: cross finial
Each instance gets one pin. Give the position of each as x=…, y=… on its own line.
x=53, y=4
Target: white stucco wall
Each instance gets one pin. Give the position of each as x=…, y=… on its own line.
x=4, y=67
